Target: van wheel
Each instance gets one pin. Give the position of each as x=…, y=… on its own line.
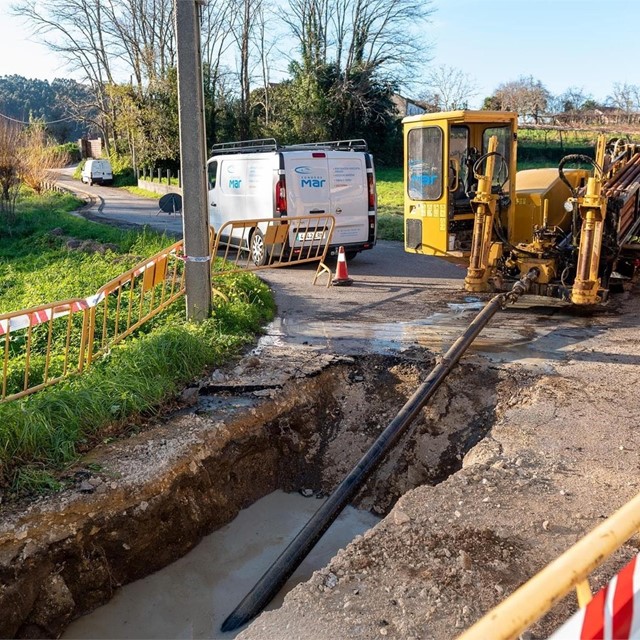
x=350, y=255
x=257, y=248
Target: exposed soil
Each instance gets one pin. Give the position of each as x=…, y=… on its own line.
x=515, y=458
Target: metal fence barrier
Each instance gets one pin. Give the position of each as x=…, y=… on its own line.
x=263, y=243
x=42, y=345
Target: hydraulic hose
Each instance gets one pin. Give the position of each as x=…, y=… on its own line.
x=288, y=561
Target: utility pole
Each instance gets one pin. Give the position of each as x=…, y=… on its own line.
x=195, y=219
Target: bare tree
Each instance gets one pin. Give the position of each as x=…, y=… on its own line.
x=450, y=88
x=141, y=33
x=78, y=31
x=40, y=156
x=356, y=34
x=527, y=96
x=243, y=29
x=10, y=166
x=625, y=97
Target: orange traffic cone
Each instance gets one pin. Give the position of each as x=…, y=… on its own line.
x=342, y=278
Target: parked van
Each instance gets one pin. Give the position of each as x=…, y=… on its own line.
x=98, y=171
x=261, y=179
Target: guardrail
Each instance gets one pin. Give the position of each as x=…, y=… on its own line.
x=42, y=345
x=571, y=570
x=262, y=243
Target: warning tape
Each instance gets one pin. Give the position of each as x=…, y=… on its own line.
x=59, y=309
x=35, y=318
x=612, y=614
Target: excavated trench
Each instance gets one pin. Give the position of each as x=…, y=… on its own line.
x=250, y=433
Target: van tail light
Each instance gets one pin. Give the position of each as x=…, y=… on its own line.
x=281, y=196
x=371, y=188
x=372, y=229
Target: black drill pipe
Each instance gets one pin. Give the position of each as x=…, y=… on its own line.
x=289, y=560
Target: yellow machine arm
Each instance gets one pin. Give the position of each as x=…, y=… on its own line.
x=484, y=205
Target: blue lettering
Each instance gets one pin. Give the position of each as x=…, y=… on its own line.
x=234, y=183
x=312, y=182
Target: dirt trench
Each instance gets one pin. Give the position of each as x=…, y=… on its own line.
x=142, y=502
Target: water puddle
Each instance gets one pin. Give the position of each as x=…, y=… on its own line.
x=518, y=334
x=191, y=597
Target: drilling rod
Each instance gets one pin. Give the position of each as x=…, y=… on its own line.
x=289, y=560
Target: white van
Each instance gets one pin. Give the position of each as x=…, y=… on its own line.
x=98, y=171
x=261, y=179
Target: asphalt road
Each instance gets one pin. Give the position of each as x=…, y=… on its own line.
x=389, y=285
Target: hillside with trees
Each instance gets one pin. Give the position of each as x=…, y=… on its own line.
x=26, y=100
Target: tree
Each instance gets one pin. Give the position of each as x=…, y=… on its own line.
x=527, y=96
x=244, y=28
x=625, y=97
x=10, y=166
x=450, y=88
x=39, y=157
x=573, y=99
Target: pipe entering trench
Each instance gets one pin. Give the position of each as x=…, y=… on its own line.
x=270, y=583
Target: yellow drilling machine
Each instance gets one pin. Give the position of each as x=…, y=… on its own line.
x=579, y=224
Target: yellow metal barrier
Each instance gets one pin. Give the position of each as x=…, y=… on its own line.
x=42, y=345
x=263, y=243
x=571, y=570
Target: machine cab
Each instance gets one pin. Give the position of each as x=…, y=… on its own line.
x=440, y=150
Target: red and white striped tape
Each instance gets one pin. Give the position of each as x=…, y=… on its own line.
x=62, y=309
x=44, y=315
x=612, y=614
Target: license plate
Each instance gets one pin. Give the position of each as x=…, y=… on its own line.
x=309, y=235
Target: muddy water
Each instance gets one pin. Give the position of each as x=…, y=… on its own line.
x=192, y=597
x=517, y=334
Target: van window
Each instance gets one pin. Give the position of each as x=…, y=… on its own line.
x=212, y=171
x=425, y=163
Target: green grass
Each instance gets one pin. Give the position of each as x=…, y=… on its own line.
x=36, y=267
x=44, y=432
x=390, y=203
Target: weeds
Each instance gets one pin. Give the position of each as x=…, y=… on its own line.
x=42, y=433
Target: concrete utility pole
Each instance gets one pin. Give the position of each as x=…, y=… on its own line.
x=195, y=219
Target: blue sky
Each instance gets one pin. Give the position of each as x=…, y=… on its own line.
x=563, y=43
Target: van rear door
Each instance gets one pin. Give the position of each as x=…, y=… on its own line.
x=349, y=197
x=307, y=183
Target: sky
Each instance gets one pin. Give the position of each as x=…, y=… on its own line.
x=563, y=43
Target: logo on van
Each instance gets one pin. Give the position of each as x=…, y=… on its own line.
x=303, y=170
x=231, y=168
x=312, y=182
x=234, y=183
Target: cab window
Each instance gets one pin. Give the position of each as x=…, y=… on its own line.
x=504, y=148
x=212, y=171
x=424, y=156
x=458, y=154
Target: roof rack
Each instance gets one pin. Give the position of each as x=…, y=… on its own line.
x=245, y=146
x=357, y=144
x=270, y=144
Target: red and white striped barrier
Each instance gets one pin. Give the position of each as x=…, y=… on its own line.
x=60, y=309
x=612, y=614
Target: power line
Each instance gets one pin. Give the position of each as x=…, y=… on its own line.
x=2, y=115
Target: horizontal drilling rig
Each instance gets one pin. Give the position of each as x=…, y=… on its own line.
x=578, y=225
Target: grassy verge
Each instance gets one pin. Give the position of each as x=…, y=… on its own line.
x=41, y=434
